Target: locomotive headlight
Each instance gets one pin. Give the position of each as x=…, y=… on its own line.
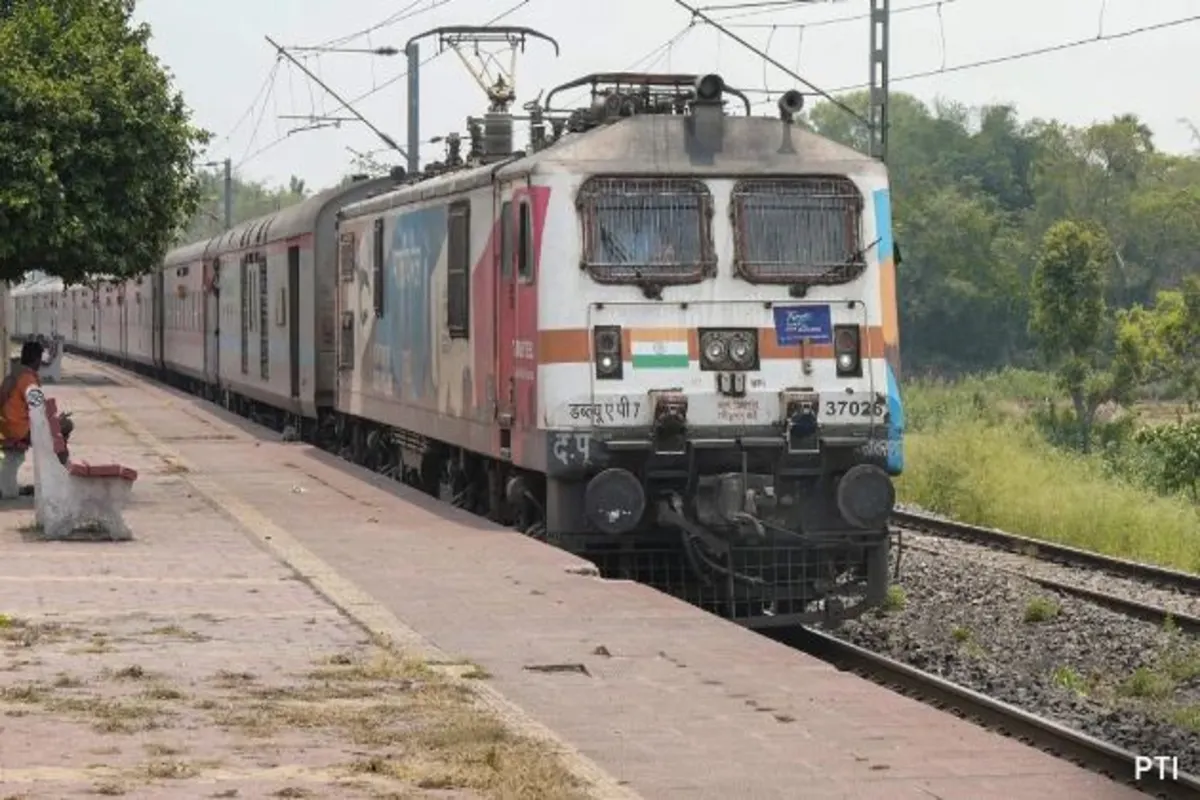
x=731, y=349
x=606, y=351
x=741, y=350
x=845, y=362
x=714, y=350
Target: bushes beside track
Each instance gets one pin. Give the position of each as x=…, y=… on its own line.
x=980, y=450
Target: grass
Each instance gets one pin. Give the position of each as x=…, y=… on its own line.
x=415, y=722
x=429, y=728
x=1040, y=609
x=972, y=453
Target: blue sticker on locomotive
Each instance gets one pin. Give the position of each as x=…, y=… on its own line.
x=796, y=324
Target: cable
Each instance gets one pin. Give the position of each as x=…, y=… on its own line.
x=835, y=20
x=1040, y=51
x=262, y=112
x=759, y=11
x=651, y=57
x=269, y=81
x=403, y=14
x=988, y=62
x=381, y=86
x=771, y=4
x=395, y=78
x=816, y=89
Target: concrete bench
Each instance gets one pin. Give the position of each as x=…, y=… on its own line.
x=78, y=495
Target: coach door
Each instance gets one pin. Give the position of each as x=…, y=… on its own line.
x=293, y=316
x=212, y=319
x=123, y=317
x=156, y=293
x=506, y=327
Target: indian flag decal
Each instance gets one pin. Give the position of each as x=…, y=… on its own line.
x=659, y=348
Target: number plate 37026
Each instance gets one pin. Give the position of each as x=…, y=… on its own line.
x=843, y=408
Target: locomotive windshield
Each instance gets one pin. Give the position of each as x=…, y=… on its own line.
x=798, y=230
x=646, y=230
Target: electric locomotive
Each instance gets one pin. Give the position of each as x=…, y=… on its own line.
x=665, y=337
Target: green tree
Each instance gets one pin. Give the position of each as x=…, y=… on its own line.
x=96, y=149
x=1168, y=336
x=251, y=200
x=1069, y=319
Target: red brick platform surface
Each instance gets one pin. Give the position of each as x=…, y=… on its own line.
x=651, y=696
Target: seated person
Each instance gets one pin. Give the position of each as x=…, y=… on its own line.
x=14, y=426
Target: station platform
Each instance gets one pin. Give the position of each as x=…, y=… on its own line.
x=257, y=561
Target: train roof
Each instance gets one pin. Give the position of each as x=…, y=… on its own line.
x=37, y=285
x=187, y=253
x=294, y=220
x=653, y=144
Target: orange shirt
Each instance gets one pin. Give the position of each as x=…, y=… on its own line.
x=15, y=425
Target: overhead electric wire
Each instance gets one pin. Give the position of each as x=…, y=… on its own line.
x=816, y=89
x=396, y=78
x=821, y=23
x=770, y=4
x=403, y=14
x=1019, y=56
x=262, y=112
x=651, y=58
x=269, y=81
x=346, y=104
x=758, y=11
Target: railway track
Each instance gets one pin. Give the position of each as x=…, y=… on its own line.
x=1063, y=742
x=1148, y=574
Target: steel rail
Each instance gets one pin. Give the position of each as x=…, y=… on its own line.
x=1048, y=551
x=1086, y=751
x=1157, y=615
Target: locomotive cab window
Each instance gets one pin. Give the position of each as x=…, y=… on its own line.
x=638, y=230
x=802, y=230
x=506, y=240
x=524, y=243
x=458, y=271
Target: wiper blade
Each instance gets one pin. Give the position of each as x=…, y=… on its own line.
x=858, y=255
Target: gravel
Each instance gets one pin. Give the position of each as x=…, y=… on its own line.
x=1118, y=679
x=1133, y=589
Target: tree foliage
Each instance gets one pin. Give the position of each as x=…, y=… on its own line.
x=96, y=149
x=976, y=190
x=251, y=199
x=1177, y=446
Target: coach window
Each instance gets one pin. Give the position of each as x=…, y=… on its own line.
x=802, y=230
x=458, y=272
x=506, y=240
x=524, y=243
x=647, y=230
x=377, y=264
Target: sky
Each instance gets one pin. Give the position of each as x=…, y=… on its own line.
x=239, y=89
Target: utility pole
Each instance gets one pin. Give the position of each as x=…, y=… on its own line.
x=877, y=110
x=413, y=51
x=228, y=164
x=228, y=193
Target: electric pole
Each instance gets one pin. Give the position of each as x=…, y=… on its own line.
x=228, y=164
x=228, y=193
x=877, y=99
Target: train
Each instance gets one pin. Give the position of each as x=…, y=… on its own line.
x=662, y=336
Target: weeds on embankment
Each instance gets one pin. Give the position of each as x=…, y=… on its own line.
x=975, y=453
